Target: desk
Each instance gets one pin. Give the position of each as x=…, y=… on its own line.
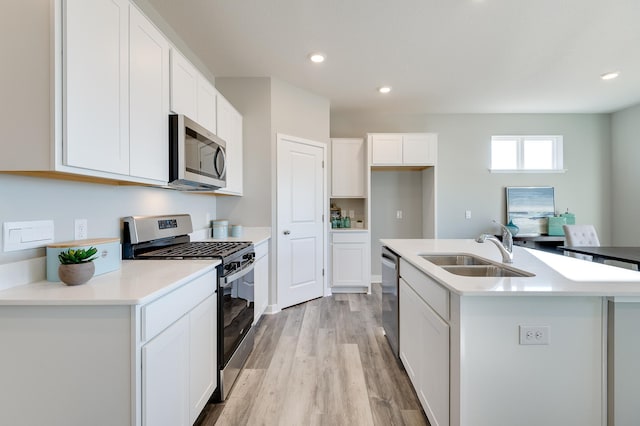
x=539, y=242
x=622, y=254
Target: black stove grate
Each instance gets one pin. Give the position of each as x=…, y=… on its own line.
x=199, y=249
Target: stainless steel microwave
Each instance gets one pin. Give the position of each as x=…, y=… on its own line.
x=197, y=157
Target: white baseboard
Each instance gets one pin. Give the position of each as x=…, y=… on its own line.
x=376, y=279
x=271, y=309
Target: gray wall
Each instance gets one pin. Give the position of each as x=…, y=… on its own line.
x=30, y=198
x=463, y=179
x=269, y=106
x=625, y=211
x=252, y=98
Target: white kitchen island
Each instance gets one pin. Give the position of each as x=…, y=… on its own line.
x=460, y=338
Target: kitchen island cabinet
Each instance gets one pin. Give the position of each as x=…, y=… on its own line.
x=475, y=325
x=131, y=347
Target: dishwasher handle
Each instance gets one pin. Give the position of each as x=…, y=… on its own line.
x=390, y=262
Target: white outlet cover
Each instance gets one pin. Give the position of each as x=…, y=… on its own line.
x=535, y=335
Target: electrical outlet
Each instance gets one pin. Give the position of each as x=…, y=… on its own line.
x=467, y=214
x=398, y=214
x=80, y=229
x=535, y=335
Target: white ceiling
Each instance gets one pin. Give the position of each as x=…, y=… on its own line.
x=440, y=56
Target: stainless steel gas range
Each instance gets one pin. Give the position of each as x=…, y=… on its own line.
x=167, y=237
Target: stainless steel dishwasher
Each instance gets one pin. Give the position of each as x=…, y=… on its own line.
x=390, y=299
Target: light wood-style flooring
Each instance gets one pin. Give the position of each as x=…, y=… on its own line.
x=324, y=362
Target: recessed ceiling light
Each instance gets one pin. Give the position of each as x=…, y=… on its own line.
x=384, y=89
x=610, y=75
x=317, y=58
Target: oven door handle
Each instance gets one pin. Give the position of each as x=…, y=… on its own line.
x=229, y=279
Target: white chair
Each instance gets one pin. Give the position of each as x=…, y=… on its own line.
x=579, y=236
x=586, y=236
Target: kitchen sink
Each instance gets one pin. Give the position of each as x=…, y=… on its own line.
x=455, y=259
x=485, y=271
x=469, y=265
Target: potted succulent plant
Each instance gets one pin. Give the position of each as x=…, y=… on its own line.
x=76, y=265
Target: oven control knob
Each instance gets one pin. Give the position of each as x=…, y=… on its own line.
x=232, y=266
x=249, y=256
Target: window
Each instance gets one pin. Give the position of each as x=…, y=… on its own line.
x=526, y=154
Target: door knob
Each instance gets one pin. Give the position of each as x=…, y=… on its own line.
x=287, y=232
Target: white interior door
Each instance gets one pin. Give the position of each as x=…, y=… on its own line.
x=300, y=229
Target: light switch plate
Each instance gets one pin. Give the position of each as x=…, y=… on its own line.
x=26, y=235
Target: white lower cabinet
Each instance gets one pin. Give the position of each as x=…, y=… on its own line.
x=202, y=355
x=165, y=377
x=179, y=362
x=424, y=351
x=350, y=261
x=261, y=280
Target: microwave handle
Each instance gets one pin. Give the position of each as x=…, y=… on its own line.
x=220, y=151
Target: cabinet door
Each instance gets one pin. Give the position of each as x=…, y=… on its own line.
x=230, y=130
x=433, y=390
x=347, y=168
x=424, y=351
x=386, y=149
x=419, y=149
x=96, y=84
x=202, y=355
x=206, y=111
x=148, y=99
x=349, y=265
x=409, y=332
x=165, y=377
x=184, y=86
x=261, y=285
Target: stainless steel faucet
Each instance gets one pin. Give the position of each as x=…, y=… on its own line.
x=505, y=246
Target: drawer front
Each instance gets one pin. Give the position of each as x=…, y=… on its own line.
x=161, y=313
x=350, y=237
x=429, y=290
x=262, y=249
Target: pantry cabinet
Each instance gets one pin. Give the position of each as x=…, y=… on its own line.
x=350, y=270
x=348, y=165
x=403, y=149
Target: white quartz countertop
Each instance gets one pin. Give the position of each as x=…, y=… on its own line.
x=137, y=282
x=555, y=274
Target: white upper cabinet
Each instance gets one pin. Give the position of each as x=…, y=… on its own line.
x=347, y=168
x=184, y=86
x=148, y=99
x=386, y=149
x=230, y=130
x=206, y=114
x=96, y=84
x=403, y=149
x=191, y=93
